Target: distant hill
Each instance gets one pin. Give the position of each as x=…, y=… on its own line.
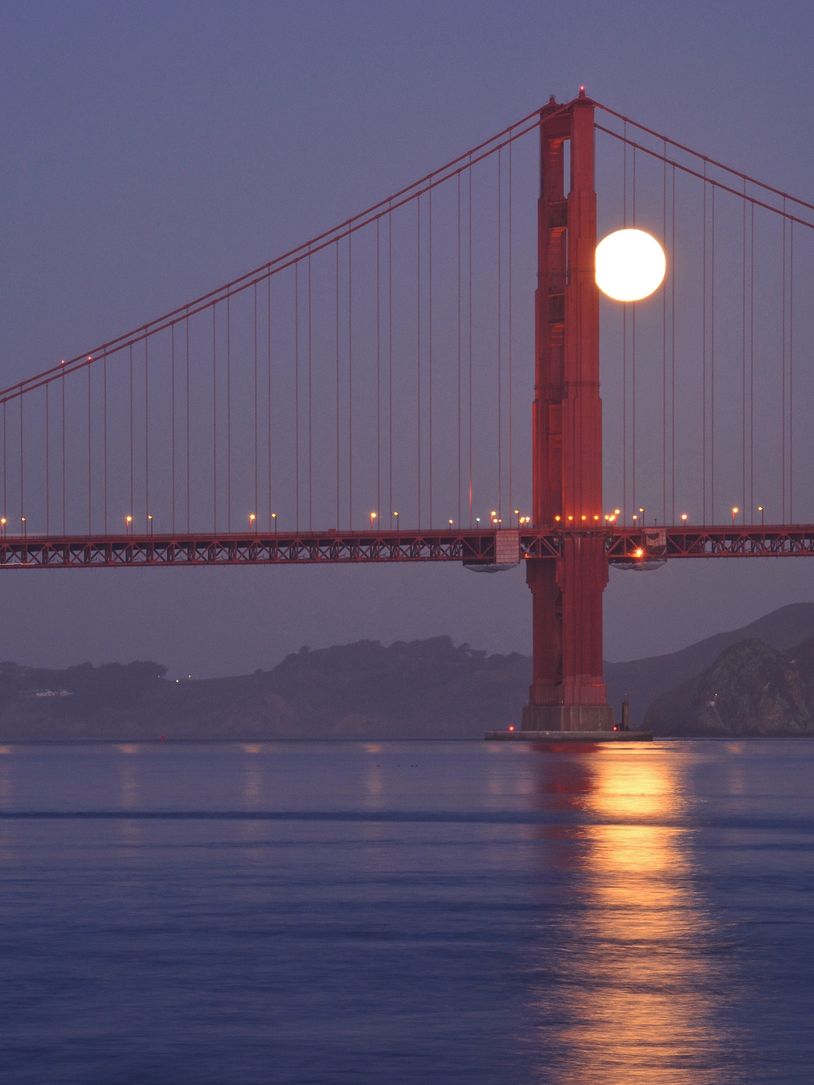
x=422, y=689
x=419, y=689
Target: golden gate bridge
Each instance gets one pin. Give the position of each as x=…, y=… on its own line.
x=331, y=405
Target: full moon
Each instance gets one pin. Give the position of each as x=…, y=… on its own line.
x=630, y=265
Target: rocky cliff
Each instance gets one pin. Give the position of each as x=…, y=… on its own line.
x=643, y=680
x=750, y=689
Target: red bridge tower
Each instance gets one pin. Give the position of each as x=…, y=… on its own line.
x=567, y=691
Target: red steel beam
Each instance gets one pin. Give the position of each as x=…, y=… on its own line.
x=621, y=546
x=748, y=541
x=636, y=546
x=281, y=548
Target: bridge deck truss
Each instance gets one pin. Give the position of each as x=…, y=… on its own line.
x=623, y=547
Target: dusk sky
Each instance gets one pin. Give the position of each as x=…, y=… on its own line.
x=152, y=151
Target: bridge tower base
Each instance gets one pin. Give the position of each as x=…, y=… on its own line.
x=572, y=717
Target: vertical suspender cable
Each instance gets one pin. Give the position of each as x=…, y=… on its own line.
x=310, y=399
x=255, y=398
x=418, y=358
x=390, y=360
x=5, y=460
x=22, y=462
x=6, y=483
x=712, y=361
x=429, y=353
x=673, y=288
x=350, y=381
x=499, y=337
x=783, y=371
x=228, y=412
x=296, y=395
x=90, y=453
x=132, y=439
x=510, y=442
x=378, y=376
x=633, y=452
x=214, y=421
x=104, y=445
x=48, y=461
x=64, y=462
x=469, y=340
x=338, y=425
x=626, y=508
x=748, y=516
x=752, y=362
x=186, y=427
x=791, y=372
x=664, y=351
x=634, y=459
x=269, y=405
x=43, y=490
x=458, y=338
x=172, y=426
x=146, y=426
x=704, y=353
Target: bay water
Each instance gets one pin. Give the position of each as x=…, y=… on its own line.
x=354, y=913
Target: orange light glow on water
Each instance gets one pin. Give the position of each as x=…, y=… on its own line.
x=638, y=995
x=640, y=961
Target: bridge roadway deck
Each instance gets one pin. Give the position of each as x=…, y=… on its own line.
x=625, y=547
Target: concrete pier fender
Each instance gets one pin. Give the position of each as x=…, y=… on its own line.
x=560, y=738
